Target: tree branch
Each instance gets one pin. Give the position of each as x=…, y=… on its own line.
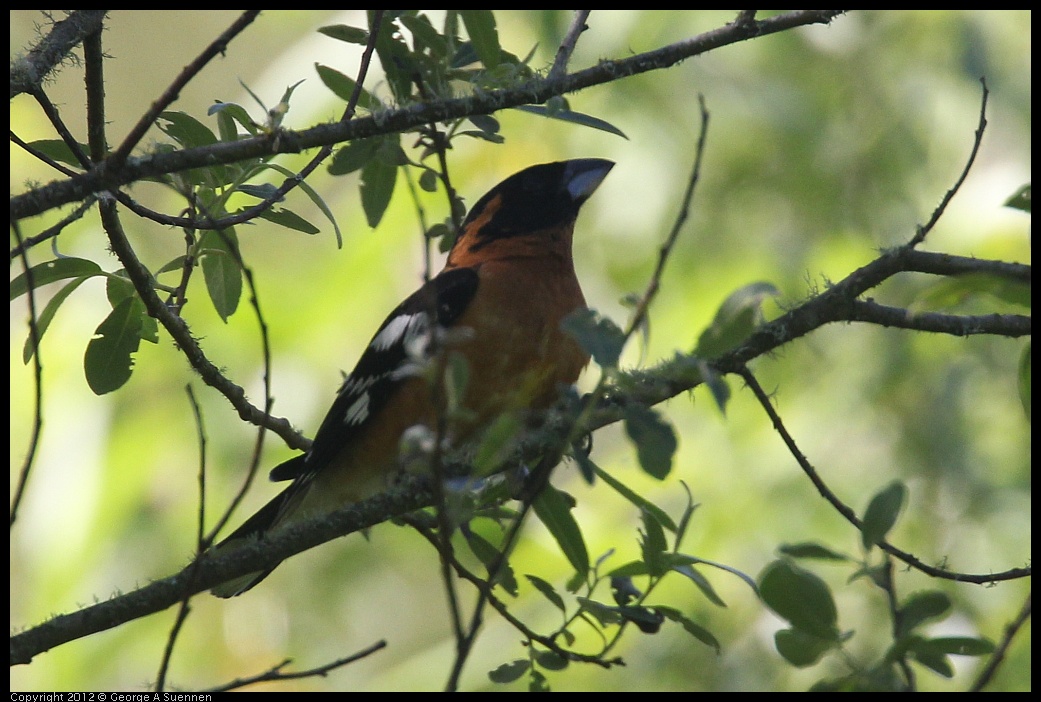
x=28, y=72
x=110, y=175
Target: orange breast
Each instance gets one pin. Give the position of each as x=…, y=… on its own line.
x=517, y=358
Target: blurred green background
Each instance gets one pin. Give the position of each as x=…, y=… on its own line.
x=826, y=144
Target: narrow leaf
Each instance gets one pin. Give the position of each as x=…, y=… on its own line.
x=50, y=271
x=578, y=118
x=643, y=504
x=315, y=198
x=547, y=591
x=47, y=315
x=343, y=87
x=956, y=646
x=58, y=150
x=221, y=271
x=480, y=25
x=809, y=549
x=553, y=510
x=696, y=630
x=343, y=32
x=289, y=220
x=377, y=186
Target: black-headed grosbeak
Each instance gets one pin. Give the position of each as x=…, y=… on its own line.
x=508, y=283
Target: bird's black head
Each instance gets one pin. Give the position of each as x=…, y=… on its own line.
x=541, y=197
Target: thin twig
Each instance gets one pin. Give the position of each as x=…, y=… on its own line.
x=998, y=657
x=34, y=339
x=217, y=46
x=924, y=230
x=847, y=511
x=200, y=530
x=567, y=46
x=274, y=674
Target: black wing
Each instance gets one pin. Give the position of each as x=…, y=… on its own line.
x=384, y=367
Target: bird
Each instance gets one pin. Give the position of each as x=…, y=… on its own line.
x=507, y=284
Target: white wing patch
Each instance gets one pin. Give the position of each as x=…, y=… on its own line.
x=357, y=412
x=394, y=331
x=353, y=385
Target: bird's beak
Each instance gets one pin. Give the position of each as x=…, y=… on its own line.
x=584, y=175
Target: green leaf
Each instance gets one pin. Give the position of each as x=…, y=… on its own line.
x=654, y=438
x=108, y=361
x=554, y=510
x=221, y=271
x=315, y=198
x=480, y=25
x=801, y=598
x=921, y=607
x=598, y=336
x=696, y=630
x=490, y=556
x=932, y=658
x=716, y=384
x=958, y=290
x=425, y=37
x=547, y=590
x=228, y=113
x=605, y=614
x=508, y=672
x=377, y=186
x=497, y=442
x=680, y=558
x=653, y=545
x=646, y=619
x=189, y=133
x=550, y=660
x=537, y=681
x=47, y=315
x=262, y=191
x=118, y=288
x=1024, y=379
x=186, y=130
x=643, y=504
x=395, y=57
x=955, y=646
x=630, y=569
x=735, y=320
x=578, y=118
x=58, y=150
x=356, y=154
x=882, y=513
x=486, y=123
x=700, y=581
x=289, y=220
x=343, y=32
x=343, y=87
x=800, y=648
x=1021, y=199
x=50, y=271
x=809, y=549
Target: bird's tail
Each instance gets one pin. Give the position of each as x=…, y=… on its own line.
x=251, y=531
